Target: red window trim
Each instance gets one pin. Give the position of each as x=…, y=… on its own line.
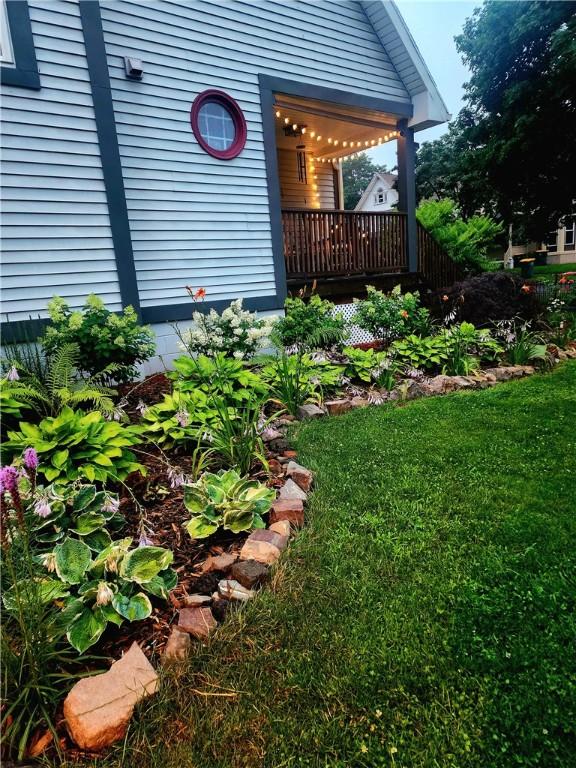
x=237, y=116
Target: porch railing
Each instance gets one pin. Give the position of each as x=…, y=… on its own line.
x=325, y=243
x=328, y=243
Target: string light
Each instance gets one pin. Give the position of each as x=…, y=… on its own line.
x=335, y=142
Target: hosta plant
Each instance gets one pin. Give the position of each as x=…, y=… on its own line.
x=93, y=590
x=77, y=445
x=425, y=354
x=360, y=363
x=179, y=419
x=225, y=500
x=220, y=376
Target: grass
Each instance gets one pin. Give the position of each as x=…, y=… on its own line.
x=425, y=617
x=548, y=272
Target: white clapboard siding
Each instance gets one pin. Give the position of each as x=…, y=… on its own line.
x=195, y=219
x=56, y=235
x=297, y=194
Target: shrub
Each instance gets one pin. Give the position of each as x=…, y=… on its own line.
x=466, y=242
x=390, y=316
x=225, y=500
x=310, y=324
x=104, y=339
x=486, y=299
x=235, y=332
x=77, y=445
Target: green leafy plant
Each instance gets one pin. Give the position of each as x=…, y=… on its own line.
x=299, y=378
x=179, y=419
x=234, y=437
x=523, y=346
x=106, y=341
x=60, y=387
x=360, y=363
x=389, y=316
x=466, y=242
x=222, y=376
x=77, y=445
x=225, y=500
x=310, y=324
x=425, y=354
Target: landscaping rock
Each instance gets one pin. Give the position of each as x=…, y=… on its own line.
x=197, y=620
x=359, y=402
x=263, y=546
x=230, y=589
x=282, y=527
x=271, y=434
x=310, y=411
x=192, y=600
x=302, y=477
x=98, y=709
x=177, y=647
x=291, y=510
x=438, y=385
x=219, y=562
x=220, y=608
x=505, y=373
x=291, y=491
x=249, y=573
x=279, y=445
x=336, y=407
x=290, y=454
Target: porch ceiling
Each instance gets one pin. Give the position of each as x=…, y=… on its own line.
x=343, y=130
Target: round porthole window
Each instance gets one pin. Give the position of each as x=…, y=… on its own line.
x=218, y=124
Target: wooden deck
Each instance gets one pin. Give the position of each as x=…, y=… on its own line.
x=349, y=247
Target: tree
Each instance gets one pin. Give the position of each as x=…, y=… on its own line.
x=357, y=172
x=522, y=109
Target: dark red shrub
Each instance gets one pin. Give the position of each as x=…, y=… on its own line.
x=487, y=298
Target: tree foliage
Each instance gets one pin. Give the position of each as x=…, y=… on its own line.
x=511, y=151
x=357, y=173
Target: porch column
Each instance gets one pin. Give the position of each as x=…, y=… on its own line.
x=407, y=189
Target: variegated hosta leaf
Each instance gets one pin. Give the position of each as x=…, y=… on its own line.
x=142, y=564
x=86, y=629
x=200, y=528
x=133, y=608
x=72, y=559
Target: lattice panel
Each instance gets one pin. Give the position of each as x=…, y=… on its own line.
x=356, y=334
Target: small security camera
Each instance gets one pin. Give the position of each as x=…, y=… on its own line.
x=134, y=68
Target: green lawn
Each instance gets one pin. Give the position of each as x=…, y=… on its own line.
x=425, y=617
x=549, y=272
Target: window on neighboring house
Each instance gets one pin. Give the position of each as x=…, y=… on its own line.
x=17, y=55
x=380, y=197
x=570, y=238
x=552, y=241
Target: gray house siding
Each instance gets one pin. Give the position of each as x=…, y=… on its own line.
x=56, y=235
x=195, y=219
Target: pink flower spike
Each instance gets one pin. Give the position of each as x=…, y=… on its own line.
x=30, y=458
x=9, y=478
x=12, y=374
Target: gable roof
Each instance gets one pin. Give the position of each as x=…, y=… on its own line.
x=387, y=21
x=387, y=179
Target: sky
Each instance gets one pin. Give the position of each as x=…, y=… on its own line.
x=433, y=24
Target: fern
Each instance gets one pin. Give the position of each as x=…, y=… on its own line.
x=61, y=386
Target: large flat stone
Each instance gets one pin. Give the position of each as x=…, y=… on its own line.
x=291, y=510
x=302, y=477
x=310, y=411
x=219, y=562
x=264, y=546
x=290, y=490
x=197, y=620
x=249, y=573
x=336, y=407
x=98, y=709
x=282, y=527
x=230, y=589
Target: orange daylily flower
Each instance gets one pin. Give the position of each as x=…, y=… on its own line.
x=404, y=313
x=527, y=289
x=200, y=293
x=445, y=297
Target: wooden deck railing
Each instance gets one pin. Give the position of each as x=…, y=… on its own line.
x=324, y=243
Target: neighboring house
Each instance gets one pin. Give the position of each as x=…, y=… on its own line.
x=560, y=245
x=152, y=145
x=380, y=194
